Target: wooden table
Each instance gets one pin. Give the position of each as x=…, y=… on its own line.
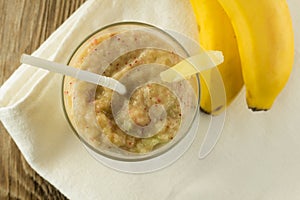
x=25, y=24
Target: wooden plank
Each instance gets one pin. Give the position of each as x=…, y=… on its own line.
x=25, y=24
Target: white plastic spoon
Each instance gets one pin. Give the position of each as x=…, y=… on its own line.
x=74, y=72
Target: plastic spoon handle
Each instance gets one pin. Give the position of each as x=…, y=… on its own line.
x=74, y=72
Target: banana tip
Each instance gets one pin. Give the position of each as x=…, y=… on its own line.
x=204, y=111
x=255, y=109
x=215, y=112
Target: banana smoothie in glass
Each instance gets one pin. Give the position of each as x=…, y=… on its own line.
x=152, y=116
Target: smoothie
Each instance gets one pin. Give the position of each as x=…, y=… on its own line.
x=89, y=107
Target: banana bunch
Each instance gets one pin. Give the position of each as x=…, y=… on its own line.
x=257, y=41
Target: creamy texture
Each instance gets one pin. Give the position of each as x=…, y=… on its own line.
x=86, y=105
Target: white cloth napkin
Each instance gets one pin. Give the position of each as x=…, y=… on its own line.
x=257, y=157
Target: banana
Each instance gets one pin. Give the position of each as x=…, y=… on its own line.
x=216, y=33
x=266, y=45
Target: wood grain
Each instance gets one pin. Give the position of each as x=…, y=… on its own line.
x=24, y=25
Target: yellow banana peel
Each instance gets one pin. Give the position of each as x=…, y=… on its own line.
x=266, y=45
x=216, y=33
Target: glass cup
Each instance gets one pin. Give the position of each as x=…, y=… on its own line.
x=152, y=118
